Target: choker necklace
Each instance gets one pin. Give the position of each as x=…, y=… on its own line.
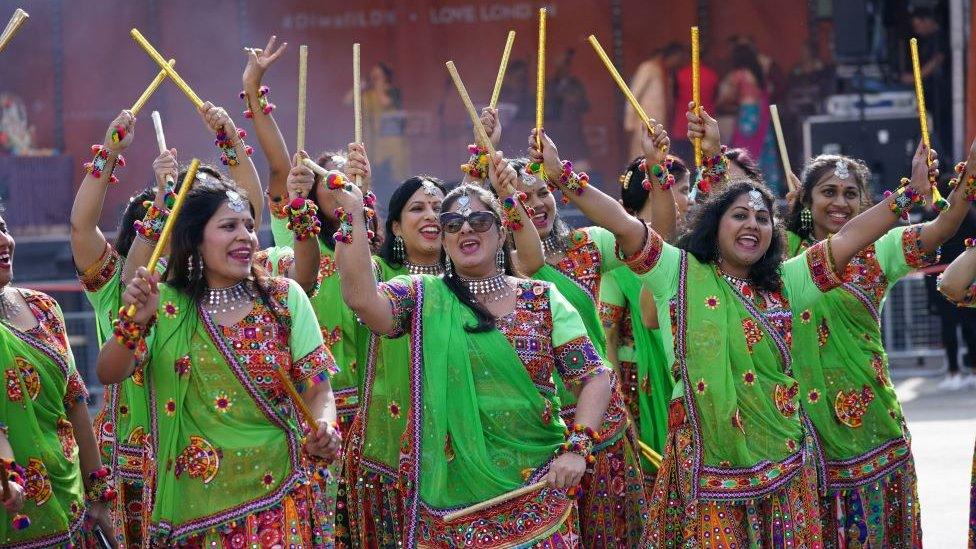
x=8, y=309
x=492, y=288
x=551, y=244
x=222, y=300
x=416, y=269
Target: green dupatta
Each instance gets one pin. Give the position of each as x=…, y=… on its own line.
x=651, y=363
x=842, y=366
x=224, y=448
x=476, y=430
x=34, y=413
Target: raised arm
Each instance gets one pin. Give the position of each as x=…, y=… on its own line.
x=357, y=281
x=236, y=155
x=663, y=210
x=872, y=224
x=944, y=226
x=265, y=127
x=87, y=240
x=529, y=257
x=956, y=282
x=116, y=359
x=142, y=245
x=305, y=269
x=599, y=207
x=473, y=170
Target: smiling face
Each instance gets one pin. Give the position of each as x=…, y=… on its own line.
x=419, y=226
x=834, y=202
x=229, y=242
x=473, y=253
x=744, y=232
x=7, y=245
x=541, y=200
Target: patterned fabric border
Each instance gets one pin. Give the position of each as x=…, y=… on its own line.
x=868, y=467
x=822, y=267
x=647, y=257
x=99, y=273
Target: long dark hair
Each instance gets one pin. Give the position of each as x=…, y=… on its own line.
x=746, y=163
x=201, y=203
x=394, y=213
x=560, y=228
x=744, y=56
x=633, y=195
x=136, y=208
x=815, y=170
x=701, y=240
x=486, y=320
x=327, y=219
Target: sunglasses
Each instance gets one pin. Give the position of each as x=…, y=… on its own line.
x=451, y=222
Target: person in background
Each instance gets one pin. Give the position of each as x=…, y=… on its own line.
x=933, y=54
x=653, y=87
x=708, y=81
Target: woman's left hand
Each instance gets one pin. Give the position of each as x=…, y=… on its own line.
x=502, y=175
x=924, y=171
x=566, y=471
x=99, y=513
x=216, y=118
x=655, y=144
x=357, y=163
x=325, y=442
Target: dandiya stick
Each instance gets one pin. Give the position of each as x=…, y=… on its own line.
x=620, y=82
x=469, y=106
x=303, y=408
x=496, y=500
x=540, y=79
x=177, y=79
x=649, y=454
x=923, y=119
x=17, y=20
x=696, y=86
x=502, y=67
x=191, y=174
x=357, y=105
x=302, y=90
x=160, y=138
x=787, y=170
x=151, y=89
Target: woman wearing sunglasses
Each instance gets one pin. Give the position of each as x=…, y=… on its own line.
x=485, y=344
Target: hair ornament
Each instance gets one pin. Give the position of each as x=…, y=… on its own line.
x=236, y=202
x=756, y=200
x=841, y=171
x=429, y=188
x=464, y=203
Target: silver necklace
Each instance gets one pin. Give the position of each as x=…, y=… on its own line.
x=222, y=300
x=551, y=244
x=8, y=308
x=491, y=289
x=416, y=269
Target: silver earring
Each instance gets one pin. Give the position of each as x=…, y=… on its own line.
x=448, y=266
x=500, y=259
x=398, y=251
x=806, y=220
x=189, y=267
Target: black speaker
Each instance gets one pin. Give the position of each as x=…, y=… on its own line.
x=852, y=30
x=885, y=143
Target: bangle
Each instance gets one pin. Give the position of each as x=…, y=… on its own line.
x=100, y=486
x=129, y=333
x=477, y=165
x=513, y=219
x=661, y=174
x=969, y=242
x=369, y=211
x=571, y=181
x=118, y=133
x=713, y=171
x=581, y=441
x=336, y=181
x=906, y=198
x=228, y=156
x=344, y=234
x=302, y=219
x=151, y=226
x=266, y=106
x=16, y=473
x=101, y=159
x=969, y=191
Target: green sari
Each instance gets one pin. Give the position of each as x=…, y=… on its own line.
x=481, y=426
x=227, y=439
x=42, y=385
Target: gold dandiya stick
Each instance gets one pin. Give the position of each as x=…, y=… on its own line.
x=17, y=20
x=496, y=500
x=151, y=89
x=502, y=67
x=177, y=79
x=787, y=170
x=696, y=86
x=469, y=106
x=540, y=79
x=649, y=454
x=357, y=105
x=620, y=82
x=303, y=408
x=302, y=88
x=923, y=120
x=191, y=174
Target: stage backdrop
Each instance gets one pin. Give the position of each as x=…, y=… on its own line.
x=75, y=67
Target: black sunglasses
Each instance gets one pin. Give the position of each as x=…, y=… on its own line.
x=451, y=222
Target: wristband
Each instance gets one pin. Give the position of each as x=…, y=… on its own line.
x=100, y=488
x=661, y=174
x=228, y=155
x=512, y=217
x=266, y=106
x=906, y=198
x=477, y=165
x=302, y=219
x=151, y=226
x=99, y=162
x=129, y=333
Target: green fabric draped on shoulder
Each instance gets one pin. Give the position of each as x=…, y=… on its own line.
x=33, y=410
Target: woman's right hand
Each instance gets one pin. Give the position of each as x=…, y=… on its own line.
x=492, y=125
x=548, y=154
x=127, y=121
x=165, y=165
x=143, y=292
x=924, y=170
x=15, y=502
x=258, y=62
x=300, y=178
x=704, y=127
x=502, y=175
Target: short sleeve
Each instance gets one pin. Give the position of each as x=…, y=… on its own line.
x=657, y=263
x=75, y=391
x=575, y=356
x=311, y=362
x=606, y=243
x=277, y=260
x=279, y=225
x=613, y=304
x=97, y=276
x=402, y=295
x=808, y=276
x=900, y=250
